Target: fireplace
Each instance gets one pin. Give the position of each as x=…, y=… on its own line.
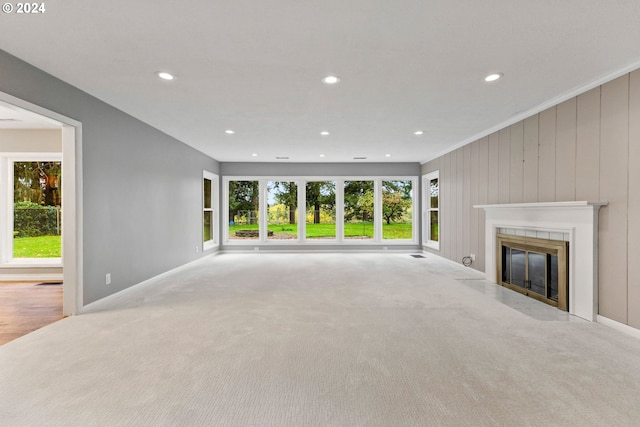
x=538, y=268
x=578, y=221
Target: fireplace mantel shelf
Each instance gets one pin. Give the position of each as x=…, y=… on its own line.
x=579, y=204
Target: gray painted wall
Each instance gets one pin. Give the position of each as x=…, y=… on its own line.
x=142, y=200
x=587, y=148
x=320, y=169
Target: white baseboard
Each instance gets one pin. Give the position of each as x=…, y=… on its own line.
x=629, y=330
x=30, y=277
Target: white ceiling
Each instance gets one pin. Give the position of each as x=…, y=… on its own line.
x=255, y=66
x=12, y=117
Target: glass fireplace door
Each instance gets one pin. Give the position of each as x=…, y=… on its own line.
x=535, y=267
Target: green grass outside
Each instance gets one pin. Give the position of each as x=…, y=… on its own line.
x=357, y=230
x=397, y=231
x=351, y=230
x=37, y=247
x=321, y=231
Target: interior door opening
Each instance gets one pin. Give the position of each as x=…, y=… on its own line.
x=55, y=215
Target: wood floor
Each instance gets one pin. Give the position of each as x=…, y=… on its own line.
x=27, y=306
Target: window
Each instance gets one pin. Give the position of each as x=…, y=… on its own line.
x=244, y=210
x=209, y=208
x=312, y=210
x=282, y=210
x=35, y=206
x=397, y=208
x=358, y=209
x=431, y=186
x=320, y=199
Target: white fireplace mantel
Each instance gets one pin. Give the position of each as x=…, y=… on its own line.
x=578, y=219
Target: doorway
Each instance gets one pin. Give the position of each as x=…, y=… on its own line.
x=70, y=188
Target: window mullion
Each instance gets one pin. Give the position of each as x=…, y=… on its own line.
x=263, y=230
x=302, y=210
x=340, y=210
x=377, y=210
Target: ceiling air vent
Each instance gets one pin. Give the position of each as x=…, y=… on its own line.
x=359, y=158
x=282, y=157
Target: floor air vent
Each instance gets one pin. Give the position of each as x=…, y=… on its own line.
x=417, y=256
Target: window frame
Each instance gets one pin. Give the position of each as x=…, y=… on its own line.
x=214, y=209
x=303, y=199
x=302, y=240
x=414, y=208
x=7, y=161
x=427, y=209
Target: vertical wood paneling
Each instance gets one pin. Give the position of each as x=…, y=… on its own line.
x=614, y=151
x=516, y=174
x=566, y=151
x=547, y=156
x=474, y=189
x=466, y=199
x=447, y=211
x=443, y=202
x=530, y=173
x=483, y=189
x=494, y=177
x=460, y=231
x=504, y=165
x=588, y=146
x=634, y=200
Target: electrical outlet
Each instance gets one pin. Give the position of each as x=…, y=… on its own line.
x=197, y=248
x=107, y=279
x=255, y=248
x=385, y=248
x=473, y=257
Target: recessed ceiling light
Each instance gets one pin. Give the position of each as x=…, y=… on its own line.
x=254, y=155
x=418, y=132
x=331, y=80
x=165, y=76
x=321, y=155
x=324, y=133
x=387, y=155
x=229, y=131
x=493, y=77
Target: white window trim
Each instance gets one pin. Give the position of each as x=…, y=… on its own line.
x=6, y=206
x=414, y=208
x=426, y=210
x=215, y=208
x=339, y=194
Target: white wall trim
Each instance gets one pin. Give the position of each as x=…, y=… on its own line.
x=629, y=330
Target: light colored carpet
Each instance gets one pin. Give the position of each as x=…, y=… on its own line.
x=320, y=340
